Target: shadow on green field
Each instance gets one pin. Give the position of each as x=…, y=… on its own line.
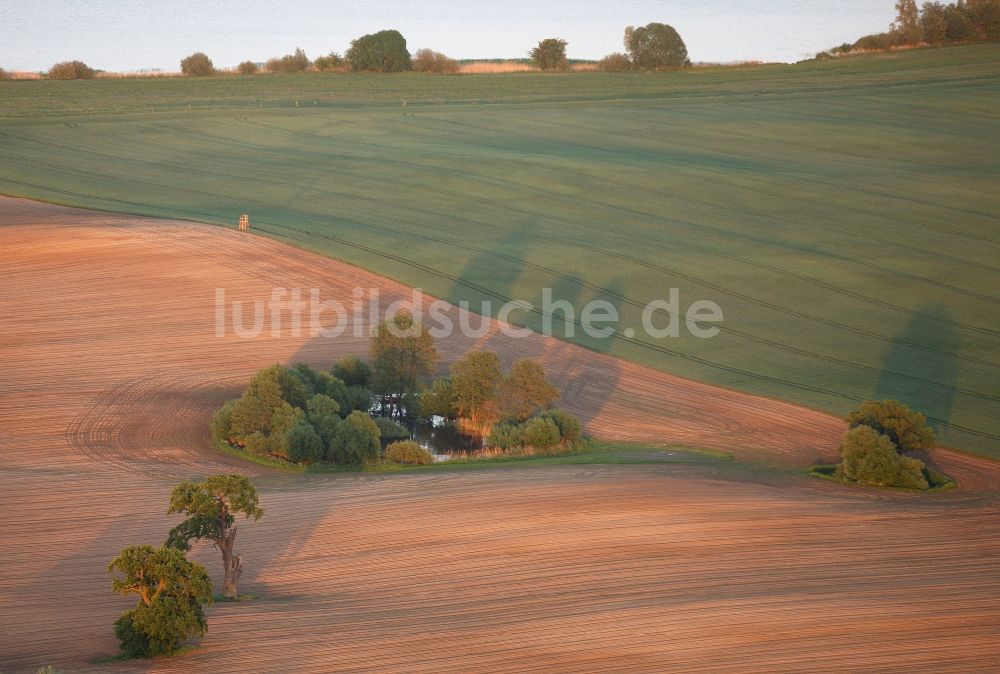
x=932, y=326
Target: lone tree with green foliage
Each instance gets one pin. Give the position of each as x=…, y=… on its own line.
x=197, y=65
x=384, y=52
x=655, y=46
x=171, y=593
x=550, y=54
x=908, y=26
x=907, y=429
x=403, y=357
x=211, y=507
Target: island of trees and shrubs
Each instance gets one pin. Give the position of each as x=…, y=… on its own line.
x=879, y=449
x=171, y=590
x=360, y=415
x=933, y=23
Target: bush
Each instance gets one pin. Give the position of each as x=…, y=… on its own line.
x=907, y=429
x=505, y=436
x=357, y=441
x=327, y=427
x=429, y=61
x=331, y=63
x=248, y=68
x=655, y=46
x=352, y=371
x=283, y=419
x=384, y=52
x=197, y=65
x=4, y=75
x=408, y=453
x=222, y=421
x=320, y=406
x=390, y=430
x=539, y=433
x=550, y=54
x=296, y=62
x=614, y=63
x=568, y=425
x=876, y=42
x=869, y=458
x=304, y=444
x=71, y=70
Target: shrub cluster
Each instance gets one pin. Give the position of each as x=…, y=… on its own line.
x=71, y=70
x=551, y=428
x=331, y=63
x=873, y=451
x=248, y=68
x=934, y=23
x=296, y=62
x=301, y=415
x=429, y=61
x=408, y=453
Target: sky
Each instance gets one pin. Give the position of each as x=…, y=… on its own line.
x=131, y=35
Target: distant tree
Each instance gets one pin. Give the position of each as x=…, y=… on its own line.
x=960, y=28
x=907, y=25
x=869, y=458
x=429, y=61
x=283, y=420
x=304, y=444
x=352, y=371
x=357, y=441
x=525, y=391
x=934, y=21
x=4, y=75
x=296, y=62
x=907, y=429
x=197, y=65
x=985, y=18
x=655, y=46
x=248, y=68
x=475, y=384
x=384, y=52
x=408, y=453
x=71, y=70
x=550, y=54
x=614, y=63
x=330, y=63
x=403, y=356
x=211, y=507
x=171, y=592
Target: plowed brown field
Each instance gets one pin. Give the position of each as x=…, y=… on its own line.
x=110, y=372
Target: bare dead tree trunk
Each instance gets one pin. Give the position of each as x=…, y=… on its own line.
x=232, y=564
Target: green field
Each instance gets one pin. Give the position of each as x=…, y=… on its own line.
x=844, y=214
